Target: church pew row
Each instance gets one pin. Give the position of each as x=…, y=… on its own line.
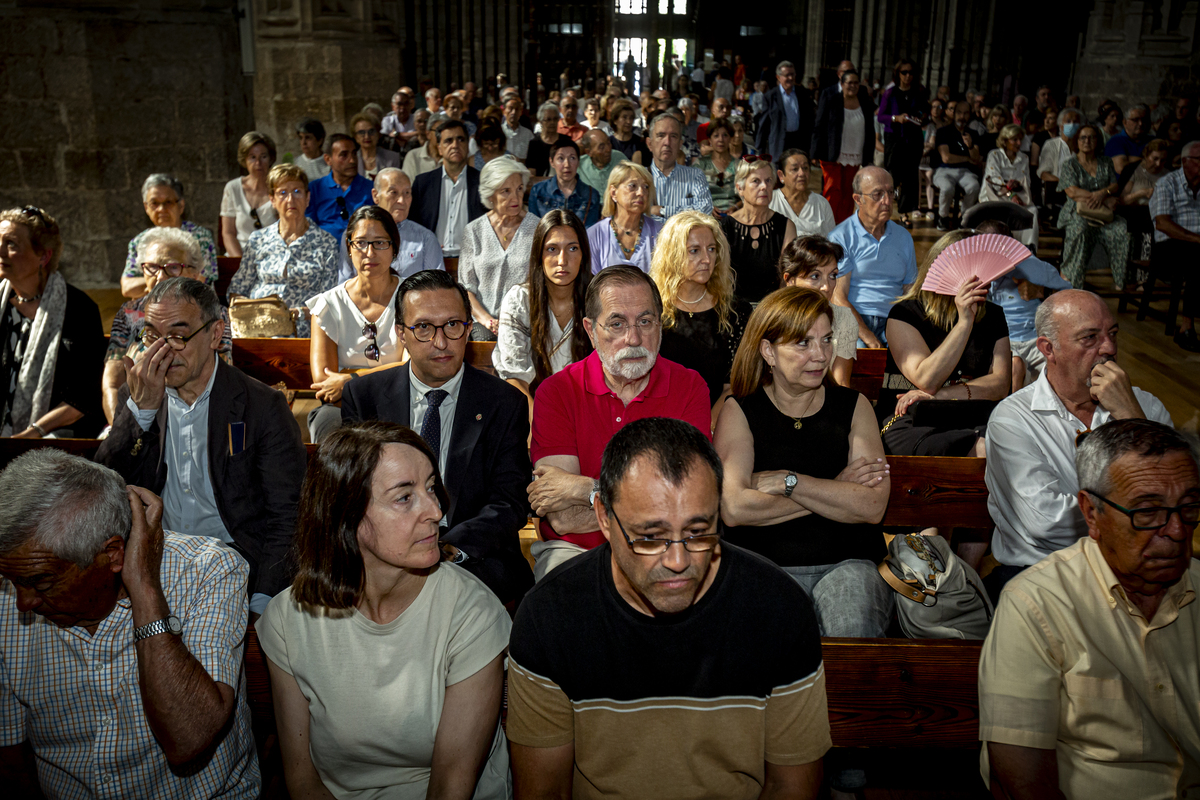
x=867, y=374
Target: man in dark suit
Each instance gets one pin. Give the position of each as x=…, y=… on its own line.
x=787, y=121
x=447, y=198
x=476, y=423
x=221, y=448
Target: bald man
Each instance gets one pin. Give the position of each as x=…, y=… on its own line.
x=1031, y=435
x=597, y=165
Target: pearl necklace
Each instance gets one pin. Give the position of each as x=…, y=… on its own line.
x=703, y=294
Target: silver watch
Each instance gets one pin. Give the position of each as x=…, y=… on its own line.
x=594, y=493
x=169, y=625
x=789, y=484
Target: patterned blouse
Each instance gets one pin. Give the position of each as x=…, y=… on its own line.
x=208, y=247
x=295, y=272
x=1071, y=173
x=720, y=183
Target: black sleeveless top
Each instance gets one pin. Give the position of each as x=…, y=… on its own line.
x=820, y=449
x=754, y=255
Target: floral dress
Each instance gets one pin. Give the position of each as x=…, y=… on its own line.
x=1080, y=235
x=295, y=272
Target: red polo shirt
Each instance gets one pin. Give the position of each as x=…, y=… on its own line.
x=575, y=414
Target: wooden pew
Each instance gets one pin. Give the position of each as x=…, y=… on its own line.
x=936, y=491
x=227, y=267
x=867, y=375
x=287, y=360
x=13, y=448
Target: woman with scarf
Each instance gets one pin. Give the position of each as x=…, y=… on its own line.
x=51, y=340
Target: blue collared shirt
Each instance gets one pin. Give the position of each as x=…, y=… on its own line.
x=1020, y=313
x=685, y=188
x=584, y=202
x=323, y=207
x=791, y=107
x=879, y=268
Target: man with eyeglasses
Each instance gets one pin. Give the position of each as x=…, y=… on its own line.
x=787, y=122
x=1031, y=435
x=397, y=127
x=1126, y=146
x=1088, y=679
x=578, y=409
x=162, y=253
x=221, y=449
x=477, y=424
x=339, y=194
x=665, y=662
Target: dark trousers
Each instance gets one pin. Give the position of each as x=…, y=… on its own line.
x=902, y=158
x=1173, y=259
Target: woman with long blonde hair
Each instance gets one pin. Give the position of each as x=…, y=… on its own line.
x=805, y=480
x=947, y=348
x=702, y=319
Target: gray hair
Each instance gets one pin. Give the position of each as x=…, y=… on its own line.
x=1068, y=112
x=745, y=168
x=63, y=503
x=187, y=290
x=1046, y=321
x=784, y=65
x=1100, y=448
x=1020, y=97
x=546, y=106
x=162, y=179
x=389, y=172
x=1190, y=148
x=666, y=115
x=171, y=237
x=495, y=173
x=617, y=275
x=686, y=102
x=1142, y=107
x=856, y=185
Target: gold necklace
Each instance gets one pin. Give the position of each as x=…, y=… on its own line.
x=796, y=421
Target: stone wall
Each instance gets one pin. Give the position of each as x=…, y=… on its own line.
x=95, y=99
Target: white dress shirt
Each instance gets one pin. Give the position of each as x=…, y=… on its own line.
x=418, y=405
x=1031, y=479
x=452, y=213
x=189, y=503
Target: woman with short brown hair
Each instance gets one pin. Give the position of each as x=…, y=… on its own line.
x=246, y=203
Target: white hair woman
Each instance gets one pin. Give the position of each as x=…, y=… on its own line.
x=163, y=200
x=1006, y=178
x=496, y=247
x=756, y=234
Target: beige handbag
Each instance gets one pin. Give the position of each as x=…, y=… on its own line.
x=264, y=318
x=1096, y=217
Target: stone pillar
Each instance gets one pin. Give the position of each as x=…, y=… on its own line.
x=814, y=41
x=98, y=98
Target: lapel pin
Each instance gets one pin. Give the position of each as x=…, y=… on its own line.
x=478, y=417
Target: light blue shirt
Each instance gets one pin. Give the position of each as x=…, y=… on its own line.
x=791, y=108
x=1018, y=312
x=684, y=189
x=419, y=250
x=878, y=268
x=189, y=504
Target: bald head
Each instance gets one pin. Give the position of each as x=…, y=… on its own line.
x=868, y=179
x=1061, y=307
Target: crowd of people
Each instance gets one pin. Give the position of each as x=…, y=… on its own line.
x=675, y=314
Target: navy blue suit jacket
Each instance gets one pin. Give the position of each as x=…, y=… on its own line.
x=427, y=198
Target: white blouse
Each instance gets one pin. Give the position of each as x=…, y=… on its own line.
x=234, y=204
x=513, y=356
x=815, y=219
x=487, y=269
x=343, y=322
x=854, y=135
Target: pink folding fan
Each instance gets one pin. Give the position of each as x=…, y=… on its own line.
x=987, y=256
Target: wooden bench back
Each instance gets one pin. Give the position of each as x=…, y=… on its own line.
x=934, y=491
x=227, y=267
x=867, y=375
x=274, y=360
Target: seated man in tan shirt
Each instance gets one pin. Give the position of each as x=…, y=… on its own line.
x=1089, y=685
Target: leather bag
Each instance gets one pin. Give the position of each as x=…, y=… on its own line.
x=1096, y=217
x=264, y=318
x=942, y=597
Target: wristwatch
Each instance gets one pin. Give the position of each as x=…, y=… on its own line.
x=789, y=484
x=594, y=493
x=169, y=625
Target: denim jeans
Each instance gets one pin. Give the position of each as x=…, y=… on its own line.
x=850, y=598
x=878, y=326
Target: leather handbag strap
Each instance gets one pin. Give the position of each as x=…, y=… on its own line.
x=911, y=591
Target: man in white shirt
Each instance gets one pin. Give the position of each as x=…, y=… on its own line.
x=398, y=125
x=518, y=135
x=447, y=198
x=1031, y=480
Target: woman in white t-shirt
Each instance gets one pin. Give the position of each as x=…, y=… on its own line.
x=812, y=262
x=246, y=203
x=809, y=211
x=354, y=323
x=386, y=662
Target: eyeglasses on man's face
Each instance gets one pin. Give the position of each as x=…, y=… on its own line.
x=1155, y=517
x=655, y=546
x=149, y=337
x=425, y=331
x=879, y=195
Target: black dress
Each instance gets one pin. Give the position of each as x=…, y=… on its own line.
x=902, y=439
x=821, y=449
x=636, y=144
x=537, y=158
x=754, y=253
x=697, y=342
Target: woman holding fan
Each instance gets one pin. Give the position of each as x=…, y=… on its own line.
x=943, y=347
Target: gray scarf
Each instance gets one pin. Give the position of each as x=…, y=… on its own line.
x=31, y=400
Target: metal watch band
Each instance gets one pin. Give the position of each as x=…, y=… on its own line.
x=151, y=629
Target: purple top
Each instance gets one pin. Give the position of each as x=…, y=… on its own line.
x=893, y=102
x=606, y=250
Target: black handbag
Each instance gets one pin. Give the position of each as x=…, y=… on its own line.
x=951, y=415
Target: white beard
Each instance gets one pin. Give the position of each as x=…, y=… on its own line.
x=615, y=365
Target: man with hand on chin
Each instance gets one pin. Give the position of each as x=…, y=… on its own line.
x=1031, y=480
x=578, y=409
x=136, y=689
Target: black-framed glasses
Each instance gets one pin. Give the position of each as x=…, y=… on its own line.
x=149, y=337
x=343, y=212
x=1151, y=519
x=379, y=245
x=371, y=351
x=172, y=268
x=254, y=216
x=454, y=330
x=652, y=546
